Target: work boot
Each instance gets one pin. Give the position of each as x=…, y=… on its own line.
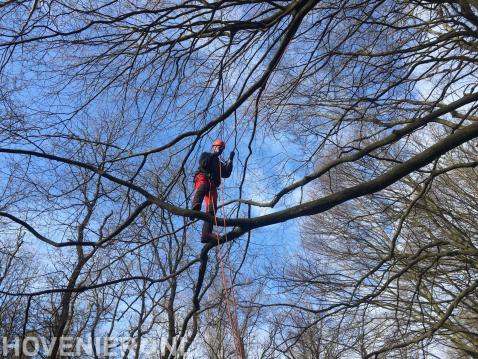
x=210, y=237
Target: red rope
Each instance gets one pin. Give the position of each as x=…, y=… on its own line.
x=232, y=315
x=233, y=296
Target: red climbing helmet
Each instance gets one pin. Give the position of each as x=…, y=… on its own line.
x=219, y=143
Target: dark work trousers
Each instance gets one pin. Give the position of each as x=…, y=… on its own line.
x=205, y=189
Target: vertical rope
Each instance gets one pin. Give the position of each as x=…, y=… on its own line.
x=233, y=295
x=232, y=315
x=232, y=319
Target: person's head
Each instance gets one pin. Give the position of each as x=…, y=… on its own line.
x=218, y=146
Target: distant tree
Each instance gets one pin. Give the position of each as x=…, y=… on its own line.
x=395, y=273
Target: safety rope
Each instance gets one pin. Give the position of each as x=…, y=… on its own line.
x=232, y=314
x=233, y=296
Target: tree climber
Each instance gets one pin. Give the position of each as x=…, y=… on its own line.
x=206, y=180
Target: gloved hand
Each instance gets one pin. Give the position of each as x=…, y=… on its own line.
x=231, y=155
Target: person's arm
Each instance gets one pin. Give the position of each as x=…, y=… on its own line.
x=226, y=168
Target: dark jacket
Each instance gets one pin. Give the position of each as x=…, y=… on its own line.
x=213, y=167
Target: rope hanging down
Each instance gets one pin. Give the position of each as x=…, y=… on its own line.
x=232, y=314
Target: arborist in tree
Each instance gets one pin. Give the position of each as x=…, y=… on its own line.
x=207, y=180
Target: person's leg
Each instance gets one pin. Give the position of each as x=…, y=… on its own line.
x=201, y=188
x=211, y=208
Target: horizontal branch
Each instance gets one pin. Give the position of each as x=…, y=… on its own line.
x=42, y=238
x=393, y=137
x=81, y=289
x=391, y=176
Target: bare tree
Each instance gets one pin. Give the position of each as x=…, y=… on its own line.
x=341, y=110
x=394, y=273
